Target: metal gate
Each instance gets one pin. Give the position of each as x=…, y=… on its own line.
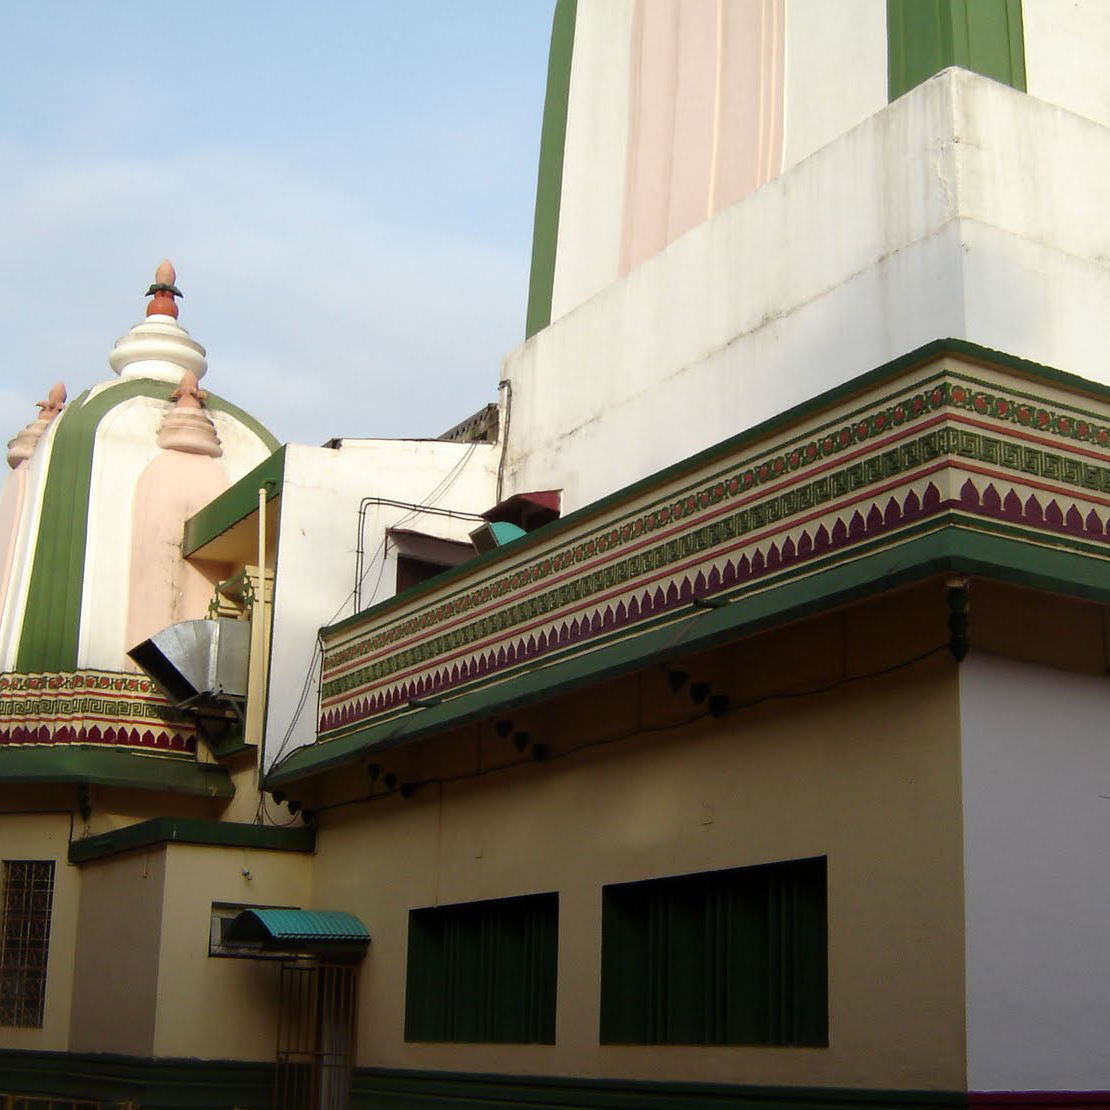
x=316, y=1035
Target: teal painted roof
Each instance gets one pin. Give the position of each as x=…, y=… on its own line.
x=284, y=927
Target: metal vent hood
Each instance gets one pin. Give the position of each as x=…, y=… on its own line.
x=198, y=660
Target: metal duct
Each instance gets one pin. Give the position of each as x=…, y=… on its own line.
x=195, y=658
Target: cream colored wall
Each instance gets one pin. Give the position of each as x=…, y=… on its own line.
x=866, y=774
x=115, y=981
x=45, y=836
x=208, y=1007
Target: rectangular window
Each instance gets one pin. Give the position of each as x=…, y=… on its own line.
x=25, y=937
x=483, y=971
x=724, y=957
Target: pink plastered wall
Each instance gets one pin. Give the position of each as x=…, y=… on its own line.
x=165, y=588
x=705, y=114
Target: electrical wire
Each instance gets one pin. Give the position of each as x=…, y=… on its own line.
x=639, y=730
x=415, y=508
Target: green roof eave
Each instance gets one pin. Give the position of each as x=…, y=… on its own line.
x=932, y=549
x=192, y=830
x=75, y=763
x=235, y=503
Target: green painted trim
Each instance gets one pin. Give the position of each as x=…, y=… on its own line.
x=218, y=404
x=939, y=544
x=235, y=503
x=52, y=618
x=549, y=183
x=742, y=441
x=130, y=770
x=153, y=1084
x=192, y=830
x=420, y=1090
x=926, y=36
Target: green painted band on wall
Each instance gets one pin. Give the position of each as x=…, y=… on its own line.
x=165, y=1083
x=152, y=1084
x=75, y=763
x=192, y=830
x=235, y=503
x=926, y=36
x=549, y=183
x=52, y=618
x=410, y=1090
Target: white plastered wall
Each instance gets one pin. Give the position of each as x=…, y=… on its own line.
x=836, y=57
x=843, y=262
x=594, y=155
x=321, y=493
x=926, y=221
x=23, y=546
x=1067, y=54
x=1036, y=799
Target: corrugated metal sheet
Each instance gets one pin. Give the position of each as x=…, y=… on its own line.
x=315, y=926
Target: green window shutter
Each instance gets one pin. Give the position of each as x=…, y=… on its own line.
x=727, y=957
x=926, y=36
x=483, y=972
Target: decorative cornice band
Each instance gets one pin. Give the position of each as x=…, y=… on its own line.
x=949, y=438
x=91, y=707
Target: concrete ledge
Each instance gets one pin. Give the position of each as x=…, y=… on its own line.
x=192, y=830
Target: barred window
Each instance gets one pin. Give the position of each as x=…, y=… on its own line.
x=25, y=936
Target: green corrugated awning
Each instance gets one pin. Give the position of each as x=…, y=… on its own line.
x=310, y=930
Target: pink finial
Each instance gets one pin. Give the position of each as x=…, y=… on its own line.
x=164, y=290
x=54, y=403
x=188, y=394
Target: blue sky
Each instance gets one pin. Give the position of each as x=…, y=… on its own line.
x=346, y=192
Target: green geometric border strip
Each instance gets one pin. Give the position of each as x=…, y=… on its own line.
x=781, y=424
x=848, y=431
x=997, y=424
x=952, y=544
x=94, y=707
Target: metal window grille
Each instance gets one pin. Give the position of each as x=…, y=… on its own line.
x=316, y=1035
x=25, y=935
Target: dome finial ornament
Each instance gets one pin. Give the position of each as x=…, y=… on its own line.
x=163, y=290
x=159, y=347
